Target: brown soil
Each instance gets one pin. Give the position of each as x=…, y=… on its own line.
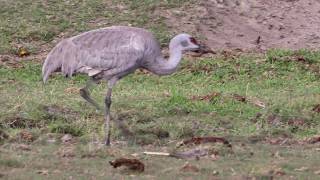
x=250, y=24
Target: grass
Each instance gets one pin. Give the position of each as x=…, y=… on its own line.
x=260, y=165
x=37, y=23
x=167, y=105
x=287, y=90
x=198, y=100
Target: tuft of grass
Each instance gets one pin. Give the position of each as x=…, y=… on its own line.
x=65, y=128
x=10, y=162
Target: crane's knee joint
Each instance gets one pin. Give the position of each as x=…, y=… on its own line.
x=83, y=92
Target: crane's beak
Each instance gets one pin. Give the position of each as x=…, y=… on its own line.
x=203, y=49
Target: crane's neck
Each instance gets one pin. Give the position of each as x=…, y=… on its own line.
x=174, y=58
x=169, y=66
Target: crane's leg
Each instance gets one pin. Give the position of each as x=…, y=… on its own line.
x=84, y=92
x=111, y=83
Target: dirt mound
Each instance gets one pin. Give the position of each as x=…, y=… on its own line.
x=251, y=24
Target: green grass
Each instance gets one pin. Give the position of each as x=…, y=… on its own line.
x=33, y=23
x=288, y=91
x=167, y=105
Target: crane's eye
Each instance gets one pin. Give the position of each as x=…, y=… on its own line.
x=193, y=40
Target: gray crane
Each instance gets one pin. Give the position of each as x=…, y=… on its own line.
x=112, y=53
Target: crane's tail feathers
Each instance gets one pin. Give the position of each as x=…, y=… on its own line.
x=61, y=56
x=50, y=65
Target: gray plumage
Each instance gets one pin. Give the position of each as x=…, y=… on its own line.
x=112, y=53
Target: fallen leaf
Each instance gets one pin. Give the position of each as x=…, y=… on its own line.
x=189, y=168
x=23, y=52
x=132, y=164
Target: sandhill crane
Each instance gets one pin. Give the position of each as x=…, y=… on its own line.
x=112, y=53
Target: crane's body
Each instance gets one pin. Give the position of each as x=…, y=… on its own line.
x=112, y=53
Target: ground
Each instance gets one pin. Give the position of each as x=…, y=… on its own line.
x=262, y=95
x=250, y=25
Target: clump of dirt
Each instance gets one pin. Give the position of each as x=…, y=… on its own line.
x=26, y=136
x=249, y=25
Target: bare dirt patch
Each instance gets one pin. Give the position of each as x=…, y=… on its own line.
x=250, y=25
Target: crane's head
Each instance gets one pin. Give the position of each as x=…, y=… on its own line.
x=185, y=42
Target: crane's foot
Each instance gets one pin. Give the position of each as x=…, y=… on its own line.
x=107, y=142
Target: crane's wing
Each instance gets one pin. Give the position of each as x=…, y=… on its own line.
x=114, y=49
x=108, y=49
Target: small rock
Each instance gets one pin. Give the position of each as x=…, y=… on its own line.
x=302, y=169
x=135, y=154
x=66, y=138
x=51, y=140
x=214, y=157
x=215, y=172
